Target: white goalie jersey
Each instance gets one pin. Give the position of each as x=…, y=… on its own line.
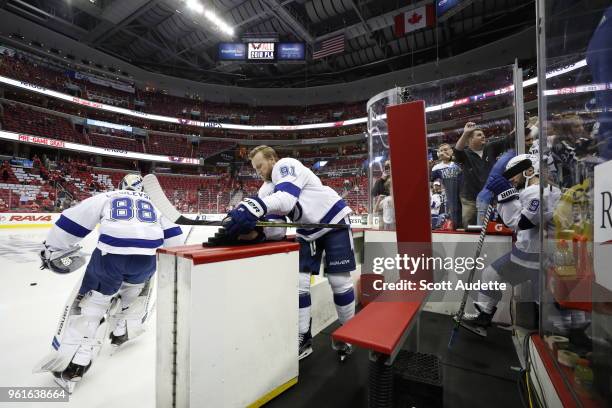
x=129, y=224
x=299, y=194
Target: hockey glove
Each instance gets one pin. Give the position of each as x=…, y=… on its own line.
x=502, y=188
x=243, y=218
x=62, y=261
x=222, y=238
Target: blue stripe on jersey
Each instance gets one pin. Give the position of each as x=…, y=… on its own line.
x=55, y=343
x=288, y=188
x=72, y=227
x=336, y=208
x=525, y=256
x=131, y=242
x=172, y=232
x=270, y=217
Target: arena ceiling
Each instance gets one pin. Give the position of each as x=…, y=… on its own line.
x=166, y=36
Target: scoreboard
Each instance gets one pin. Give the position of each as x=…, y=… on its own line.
x=262, y=52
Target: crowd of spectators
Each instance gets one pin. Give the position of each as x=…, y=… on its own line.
x=27, y=68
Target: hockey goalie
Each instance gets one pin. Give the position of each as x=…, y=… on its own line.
x=117, y=283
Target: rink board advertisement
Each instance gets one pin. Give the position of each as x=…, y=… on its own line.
x=602, y=240
x=27, y=220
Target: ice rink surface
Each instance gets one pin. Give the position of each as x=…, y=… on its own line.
x=31, y=301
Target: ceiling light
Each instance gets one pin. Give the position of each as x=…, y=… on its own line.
x=195, y=5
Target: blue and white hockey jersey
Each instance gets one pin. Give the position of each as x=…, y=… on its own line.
x=526, y=249
x=129, y=224
x=299, y=194
x=272, y=233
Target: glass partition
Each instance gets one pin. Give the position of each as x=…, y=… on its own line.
x=486, y=99
x=575, y=109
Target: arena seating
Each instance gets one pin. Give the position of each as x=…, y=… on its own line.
x=27, y=68
x=23, y=120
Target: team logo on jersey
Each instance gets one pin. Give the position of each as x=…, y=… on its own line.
x=534, y=205
x=287, y=171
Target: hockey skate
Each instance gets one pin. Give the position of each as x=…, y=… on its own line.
x=68, y=378
x=342, y=349
x=305, y=345
x=118, y=340
x=477, y=323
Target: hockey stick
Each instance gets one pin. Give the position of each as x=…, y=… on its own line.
x=159, y=199
x=459, y=315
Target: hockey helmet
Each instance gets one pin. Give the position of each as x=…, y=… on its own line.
x=520, y=164
x=131, y=182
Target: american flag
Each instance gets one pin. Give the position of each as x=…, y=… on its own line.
x=333, y=45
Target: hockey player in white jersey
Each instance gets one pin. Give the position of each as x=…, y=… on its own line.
x=300, y=195
x=518, y=197
x=120, y=269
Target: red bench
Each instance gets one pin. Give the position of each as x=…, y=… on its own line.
x=383, y=326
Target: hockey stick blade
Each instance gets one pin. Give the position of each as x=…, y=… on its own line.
x=159, y=199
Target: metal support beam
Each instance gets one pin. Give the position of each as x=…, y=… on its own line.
x=161, y=48
x=290, y=21
x=97, y=38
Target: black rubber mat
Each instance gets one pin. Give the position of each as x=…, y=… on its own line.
x=476, y=371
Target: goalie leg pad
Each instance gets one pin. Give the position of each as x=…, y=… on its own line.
x=135, y=307
x=83, y=332
x=77, y=333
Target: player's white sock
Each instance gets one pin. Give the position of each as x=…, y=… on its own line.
x=345, y=311
x=304, y=301
x=344, y=295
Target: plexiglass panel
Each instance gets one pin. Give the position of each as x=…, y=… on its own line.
x=484, y=98
x=576, y=183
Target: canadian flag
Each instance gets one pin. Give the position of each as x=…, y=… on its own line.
x=415, y=19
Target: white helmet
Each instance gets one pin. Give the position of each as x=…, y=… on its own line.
x=520, y=164
x=131, y=182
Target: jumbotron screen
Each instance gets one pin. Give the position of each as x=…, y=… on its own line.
x=264, y=51
x=444, y=6
x=232, y=51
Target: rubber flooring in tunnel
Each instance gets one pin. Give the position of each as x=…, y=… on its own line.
x=476, y=372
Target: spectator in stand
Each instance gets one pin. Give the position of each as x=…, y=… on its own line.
x=385, y=205
x=379, y=191
x=23, y=198
x=477, y=157
x=438, y=207
x=449, y=174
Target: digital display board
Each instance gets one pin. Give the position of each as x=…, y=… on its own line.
x=291, y=52
x=444, y=6
x=232, y=51
x=263, y=51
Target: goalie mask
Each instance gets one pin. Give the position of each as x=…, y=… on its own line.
x=520, y=165
x=131, y=182
x=63, y=261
